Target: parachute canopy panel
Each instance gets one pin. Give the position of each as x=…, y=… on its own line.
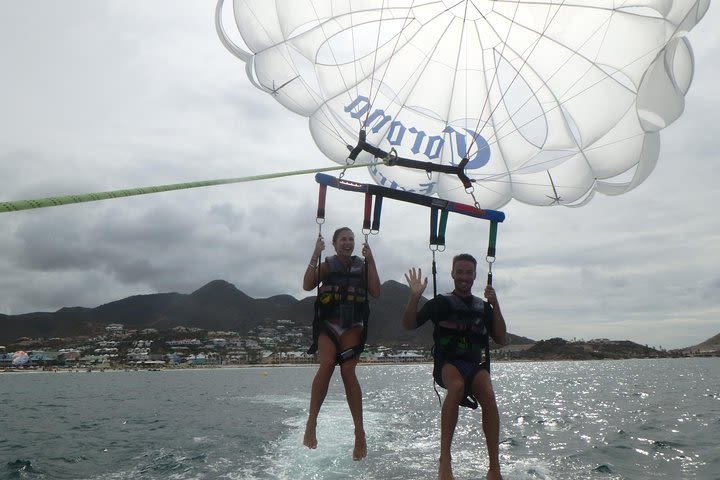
x=549, y=101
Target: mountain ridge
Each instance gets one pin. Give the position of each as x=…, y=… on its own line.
x=217, y=305
x=220, y=305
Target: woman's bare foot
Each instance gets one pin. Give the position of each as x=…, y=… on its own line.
x=310, y=439
x=494, y=474
x=445, y=469
x=360, y=450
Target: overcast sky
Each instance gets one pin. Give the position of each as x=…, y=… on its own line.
x=103, y=95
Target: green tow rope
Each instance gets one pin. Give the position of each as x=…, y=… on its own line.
x=17, y=205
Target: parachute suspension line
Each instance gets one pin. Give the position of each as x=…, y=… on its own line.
x=580, y=92
x=409, y=75
x=321, y=25
x=467, y=77
x=373, y=96
x=558, y=70
x=349, y=162
x=471, y=192
x=502, y=178
x=391, y=160
x=16, y=205
x=352, y=37
x=433, y=269
x=517, y=72
x=330, y=125
x=377, y=44
x=560, y=67
x=492, y=82
x=548, y=23
x=463, y=37
x=466, y=159
x=532, y=119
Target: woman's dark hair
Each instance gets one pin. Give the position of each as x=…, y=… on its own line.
x=337, y=233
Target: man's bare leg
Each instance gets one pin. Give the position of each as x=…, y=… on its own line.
x=484, y=394
x=455, y=386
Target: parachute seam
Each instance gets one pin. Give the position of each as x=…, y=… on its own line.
x=517, y=71
x=387, y=64
x=559, y=103
x=560, y=67
x=375, y=53
x=421, y=67
x=325, y=118
x=321, y=25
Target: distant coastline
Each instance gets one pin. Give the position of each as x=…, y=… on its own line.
x=311, y=365
x=218, y=325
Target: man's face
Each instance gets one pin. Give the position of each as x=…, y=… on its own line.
x=463, y=273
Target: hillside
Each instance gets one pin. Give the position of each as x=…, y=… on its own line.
x=708, y=346
x=219, y=305
x=560, y=349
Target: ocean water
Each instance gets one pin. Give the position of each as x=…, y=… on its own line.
x=633, y=419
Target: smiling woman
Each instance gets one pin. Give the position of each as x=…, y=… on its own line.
x=344, y=283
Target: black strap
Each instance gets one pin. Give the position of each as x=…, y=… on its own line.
x=392, y=160
x=316, y=307
x=410, y=197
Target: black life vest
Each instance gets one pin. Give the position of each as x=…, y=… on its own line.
x=343, y=294
x=463, y=334
x=343, y=284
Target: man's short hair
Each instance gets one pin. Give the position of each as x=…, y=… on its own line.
x=464, y=257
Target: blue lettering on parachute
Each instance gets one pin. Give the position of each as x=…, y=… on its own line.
x=429, y=145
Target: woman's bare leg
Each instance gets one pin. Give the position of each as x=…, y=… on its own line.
x=328, y=354
x=353, y=392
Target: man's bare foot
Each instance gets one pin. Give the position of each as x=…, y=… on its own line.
x=310, y=439
x=360, y=450
x=445, y=469
x=494, y=474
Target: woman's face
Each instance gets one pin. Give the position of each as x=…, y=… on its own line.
x=345, y=242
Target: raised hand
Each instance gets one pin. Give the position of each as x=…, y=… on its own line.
x=415, y=281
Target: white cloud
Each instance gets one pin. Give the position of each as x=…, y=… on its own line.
x=106, y=95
